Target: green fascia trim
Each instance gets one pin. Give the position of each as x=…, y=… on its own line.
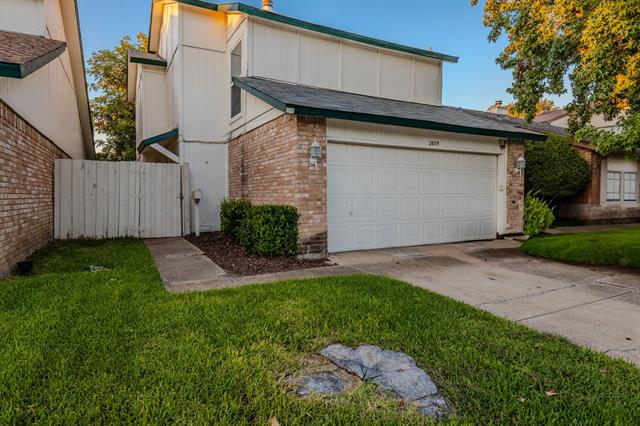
x=8, y=69
x=145, y=61
x=418, y=124
x=158, y=138
x=200, y=3
x=383, y=119
x=250, y=10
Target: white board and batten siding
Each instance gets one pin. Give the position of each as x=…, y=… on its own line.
x=99, y=199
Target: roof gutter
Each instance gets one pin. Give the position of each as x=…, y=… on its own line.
x=289, y=108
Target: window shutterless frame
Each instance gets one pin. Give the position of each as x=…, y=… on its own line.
x=236, y=70
x=630, y=187
x=613, y=186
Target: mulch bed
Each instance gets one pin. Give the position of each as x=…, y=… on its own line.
x=232, y=257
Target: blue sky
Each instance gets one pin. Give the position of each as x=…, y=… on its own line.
x=448, y=26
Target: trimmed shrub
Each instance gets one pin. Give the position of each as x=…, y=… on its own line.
x=538, y=216
x=554, y=169
x=232, y=214
x=270, y=230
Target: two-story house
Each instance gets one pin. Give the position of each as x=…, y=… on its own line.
x=349, y=129
x=44, y=115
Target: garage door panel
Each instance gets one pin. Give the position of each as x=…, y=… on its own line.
x=432, y=207
x=410, y=208
x=410, y=233
x=340, y=183
x=364, y=181
x=387, y=235
x=386, y=197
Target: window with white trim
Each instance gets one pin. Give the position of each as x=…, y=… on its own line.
x=236, y=70
x=613, y=186
x=630, y=187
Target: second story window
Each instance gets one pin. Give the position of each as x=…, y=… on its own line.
x=236, y=70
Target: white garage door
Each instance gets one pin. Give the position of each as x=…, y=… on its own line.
x=390, y=197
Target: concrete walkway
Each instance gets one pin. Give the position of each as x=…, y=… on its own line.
x=596, y=307
x=183, y=267
x=592, y=306
x=590, y=228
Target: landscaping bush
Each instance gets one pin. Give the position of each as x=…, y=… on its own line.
x=232, y=214
x=270, y=230
x=538, y=216
x=554, y=169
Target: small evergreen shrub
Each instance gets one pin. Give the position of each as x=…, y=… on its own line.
x=270, y=230
x=538, y=215
x=232, y=214
x=554, y=169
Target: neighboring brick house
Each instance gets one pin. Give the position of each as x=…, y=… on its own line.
x=44, y=115
x=349, y=129
x=613, y=191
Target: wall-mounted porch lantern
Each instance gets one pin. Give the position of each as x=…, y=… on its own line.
x=520, y=164
x=315, y=153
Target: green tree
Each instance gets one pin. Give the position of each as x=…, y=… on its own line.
x=542, y=106
x=592, y=44
x=113, y=115
x=554, y=169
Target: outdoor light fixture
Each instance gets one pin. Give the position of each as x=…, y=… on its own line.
x=315, y=154
x=520, y=164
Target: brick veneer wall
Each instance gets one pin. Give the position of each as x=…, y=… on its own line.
x=591, y=192
x=587, y=206
x=270, y=165
x=26, y=188
x=515, y=189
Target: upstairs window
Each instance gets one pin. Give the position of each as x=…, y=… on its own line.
x=236, y=70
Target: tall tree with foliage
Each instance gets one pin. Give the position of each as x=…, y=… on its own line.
x=113, y=115
x=542, y=106
x=594, y=44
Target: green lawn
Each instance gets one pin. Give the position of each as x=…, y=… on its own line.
x=114, y=347
x=620, y=247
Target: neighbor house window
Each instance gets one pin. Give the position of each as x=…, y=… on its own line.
x=630, y=187
x=613, y=186
x=236, y=70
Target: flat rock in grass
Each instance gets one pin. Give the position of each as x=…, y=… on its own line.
x=324, y=383
x=393, y=372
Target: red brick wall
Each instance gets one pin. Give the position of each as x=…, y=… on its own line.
x=515, y=189
x=26, y=188
x=270, y=165
x=591, y=192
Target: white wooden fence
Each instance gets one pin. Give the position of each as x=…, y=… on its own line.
x=101, y=199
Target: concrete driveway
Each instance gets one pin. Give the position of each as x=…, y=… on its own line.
x=595, y=307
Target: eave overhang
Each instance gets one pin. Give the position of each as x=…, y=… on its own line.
x=293, y=108
x=171, y=134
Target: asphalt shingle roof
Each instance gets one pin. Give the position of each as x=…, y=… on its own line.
x=21, y=54
x=306, y=100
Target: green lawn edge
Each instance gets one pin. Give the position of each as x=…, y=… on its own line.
x=114, y=346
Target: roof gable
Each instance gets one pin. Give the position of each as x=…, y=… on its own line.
x=275, y=17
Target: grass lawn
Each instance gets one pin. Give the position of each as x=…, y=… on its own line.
x=620, y=247
x=114, y=347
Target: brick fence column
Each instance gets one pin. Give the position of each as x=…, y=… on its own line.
x=515, y=188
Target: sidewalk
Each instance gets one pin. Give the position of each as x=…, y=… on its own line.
x=183, y=267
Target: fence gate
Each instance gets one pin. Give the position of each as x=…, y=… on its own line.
x=103, y=199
